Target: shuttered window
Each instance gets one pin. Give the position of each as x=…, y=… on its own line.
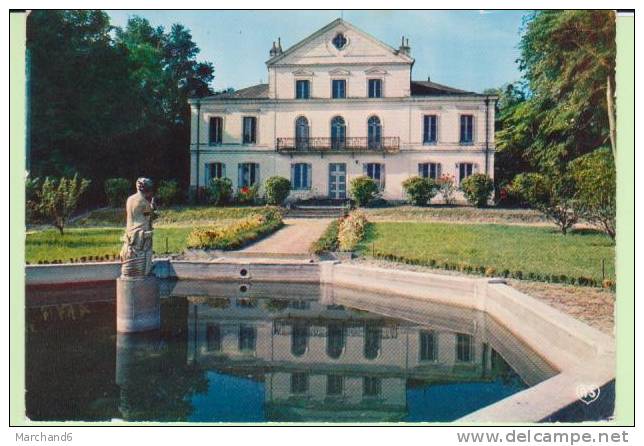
x=467, y=130
x=215, y=170
x=247, y=174
x=302, y=89
x=215, y=130
x=250, y=130
x=338, y=88
x=428, y=346
x=301, y=176
x=375, y=88
x=376, y=172
x=429, y=170
x=465, y=170
x=430, y=134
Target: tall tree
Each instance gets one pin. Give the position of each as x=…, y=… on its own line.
x=80, y=91
x=568, y=61
x=110, y=102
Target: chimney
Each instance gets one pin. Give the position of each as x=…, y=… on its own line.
x=279, y=45
x=404, y=47
x=273, y=52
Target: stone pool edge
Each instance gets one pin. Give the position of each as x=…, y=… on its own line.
x=583, y=355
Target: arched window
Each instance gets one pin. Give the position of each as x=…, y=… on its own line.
x=335, y=340
x=338, y=132
x=299, y=338
x=372, y=341
x=301, y=133
x=374, y=132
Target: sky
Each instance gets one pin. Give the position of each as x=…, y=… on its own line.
x=471, y=50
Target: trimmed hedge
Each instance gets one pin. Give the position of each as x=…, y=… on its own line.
x=237, y=234
x=492, y=272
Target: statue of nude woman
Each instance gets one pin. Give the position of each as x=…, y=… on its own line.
x=136, y=253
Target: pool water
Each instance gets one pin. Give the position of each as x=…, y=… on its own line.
x=257, y=352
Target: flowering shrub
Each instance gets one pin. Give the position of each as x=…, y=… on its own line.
x=363, y=190
x=446, y=187
x=247, y=194
x=477, y=189
x=419, y=190
x=236, y=234
x=351, y=230
x=277, y=189
x=219, y=191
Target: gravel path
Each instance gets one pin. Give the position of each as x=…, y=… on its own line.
x=295, y=237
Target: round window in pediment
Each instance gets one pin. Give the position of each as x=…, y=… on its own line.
x=339, y=41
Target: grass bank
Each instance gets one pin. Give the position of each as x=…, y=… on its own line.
x=77, y=243
x=522, y=252
x=97, y=235
x=456, y=214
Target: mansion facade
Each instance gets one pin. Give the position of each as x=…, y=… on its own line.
x=341, y=104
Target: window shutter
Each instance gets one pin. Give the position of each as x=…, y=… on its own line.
x=475, y=169
x=240, y=175
x=438, y=170
x=207, y=173
x=420, y=170
x=364, y=169
x=309, y=175
x=257, y=174
x=293, y=183
x=382, y=177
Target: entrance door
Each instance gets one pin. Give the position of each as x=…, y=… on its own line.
x=337, y=181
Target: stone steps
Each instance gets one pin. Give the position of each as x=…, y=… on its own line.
x=316, y=212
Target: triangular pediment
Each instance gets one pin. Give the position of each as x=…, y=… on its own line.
x=358, y=48
x=376, y=70
x=302, y=72
x=339, y=72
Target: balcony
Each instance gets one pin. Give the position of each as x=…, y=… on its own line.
x=388, y=144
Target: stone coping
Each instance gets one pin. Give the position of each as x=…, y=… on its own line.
x=584, y=356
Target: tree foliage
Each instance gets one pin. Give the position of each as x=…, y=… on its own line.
x=477, y=189
x=363, y=190
x=568, y=61
x=595, y=189
x=277, y=189
x=110, y=102
x=55, y=200
x=561, y=111
x=420, y=190
x=554, y=196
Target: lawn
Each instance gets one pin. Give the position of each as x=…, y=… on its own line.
x=188, y=215
x=99, y=233
x=75, y=243
x=456, y=213
x=526, y=249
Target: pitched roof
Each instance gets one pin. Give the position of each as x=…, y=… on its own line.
x=428, y=88
x=259, y=91
x=333, y=24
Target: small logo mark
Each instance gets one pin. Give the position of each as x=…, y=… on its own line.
x=587, y=393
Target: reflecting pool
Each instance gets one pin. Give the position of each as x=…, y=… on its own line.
x=257, y=352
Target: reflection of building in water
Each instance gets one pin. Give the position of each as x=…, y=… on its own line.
x=322, y=360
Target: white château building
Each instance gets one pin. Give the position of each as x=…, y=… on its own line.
x=341, y=104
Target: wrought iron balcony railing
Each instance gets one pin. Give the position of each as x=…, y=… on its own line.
x=353, y=144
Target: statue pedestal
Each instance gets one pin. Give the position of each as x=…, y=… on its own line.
x=137, y=304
